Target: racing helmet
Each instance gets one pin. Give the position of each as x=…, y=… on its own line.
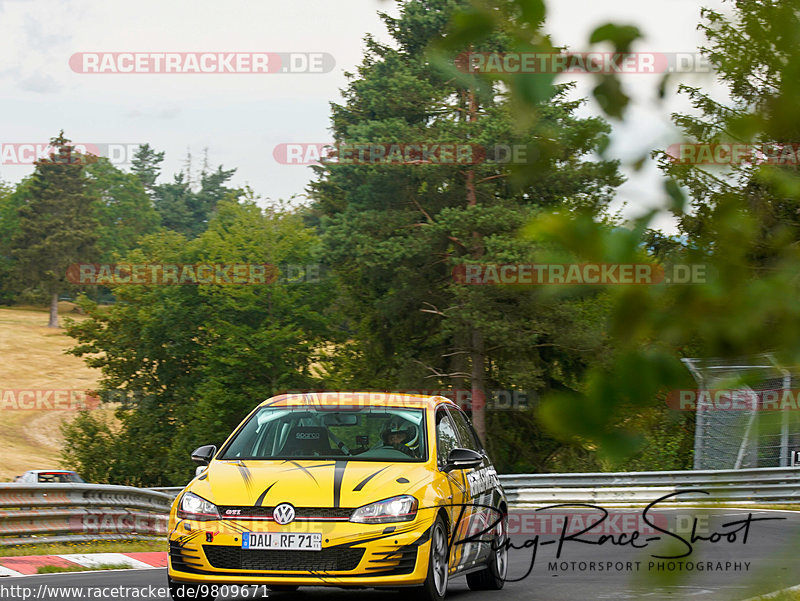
x=394, y=427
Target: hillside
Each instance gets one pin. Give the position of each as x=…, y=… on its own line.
x=33, y=359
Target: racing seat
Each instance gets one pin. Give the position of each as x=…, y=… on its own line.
x=305, y=441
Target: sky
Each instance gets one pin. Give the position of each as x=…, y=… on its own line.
x=241, y=117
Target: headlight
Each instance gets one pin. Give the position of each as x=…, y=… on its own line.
x=396, y=509
x=193, y=507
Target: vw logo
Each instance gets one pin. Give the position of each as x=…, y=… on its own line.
x=283, y=513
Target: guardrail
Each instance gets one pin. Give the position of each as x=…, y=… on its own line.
x=745, y=486
x=52, y=513
x=757, y=485
x=55, y=513
x=171, y=491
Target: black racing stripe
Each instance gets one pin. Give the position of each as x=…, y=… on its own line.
x=246, y=475
x=260, y=499
x=361, y=484
x=187, y=538
x=305, y=469
x=338, y=475
x=237, y=528
x=370, y=539
x=365, y=540
x=309, y=467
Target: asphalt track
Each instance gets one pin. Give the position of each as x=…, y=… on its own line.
x=740, y=568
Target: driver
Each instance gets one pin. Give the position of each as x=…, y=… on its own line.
x=396, y=437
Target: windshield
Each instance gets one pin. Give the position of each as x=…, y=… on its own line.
x=363, y=434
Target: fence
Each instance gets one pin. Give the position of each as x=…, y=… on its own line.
x=749, y=438
x=45, y=513
x=55, y=513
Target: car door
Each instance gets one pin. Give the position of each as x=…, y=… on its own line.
x=456, y=498
x=481, y=491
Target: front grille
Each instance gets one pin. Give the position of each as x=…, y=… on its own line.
x=334, y=559
x=301, y=513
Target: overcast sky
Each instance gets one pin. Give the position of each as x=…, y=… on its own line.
x=240, y=118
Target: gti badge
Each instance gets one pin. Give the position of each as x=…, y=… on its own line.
x=283, y=513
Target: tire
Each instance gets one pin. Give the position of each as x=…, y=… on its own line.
x=181, y=591
x=283, y=588
x=435, y=586
x=493, y=577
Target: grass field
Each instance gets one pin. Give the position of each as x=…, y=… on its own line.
x=60, y=569
x=120, y=546
x=33, y=359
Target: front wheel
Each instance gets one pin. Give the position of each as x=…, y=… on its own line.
x=435, y=586
x=493, y=577
x=181, y=591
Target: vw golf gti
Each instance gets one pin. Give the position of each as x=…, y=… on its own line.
x=341, y=489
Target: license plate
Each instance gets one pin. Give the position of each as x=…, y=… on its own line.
x=289, y=541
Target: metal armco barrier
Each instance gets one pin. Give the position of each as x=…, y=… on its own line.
x=54, y=513
x=746, y=486
x=49, y=513
x=171, y=491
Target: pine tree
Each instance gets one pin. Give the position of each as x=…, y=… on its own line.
x=395, y=233
x=186, y=210
x=146, y=165
x=754, y=54
x=56, y=225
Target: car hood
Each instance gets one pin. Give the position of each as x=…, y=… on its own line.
x=304, y=483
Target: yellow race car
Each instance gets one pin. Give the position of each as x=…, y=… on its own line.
x=341, y=489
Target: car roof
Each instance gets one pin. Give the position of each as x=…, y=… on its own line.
x=357, y=399
x=50, y=472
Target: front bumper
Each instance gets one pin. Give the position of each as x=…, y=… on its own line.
x=351, y=555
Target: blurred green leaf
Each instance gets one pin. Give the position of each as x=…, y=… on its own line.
x=676, y=195
x=533, y=12
x=468, y=26
x=610, y=96
x=621, y=36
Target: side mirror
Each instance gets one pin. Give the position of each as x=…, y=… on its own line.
x=204, y=455
x=462, y=459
